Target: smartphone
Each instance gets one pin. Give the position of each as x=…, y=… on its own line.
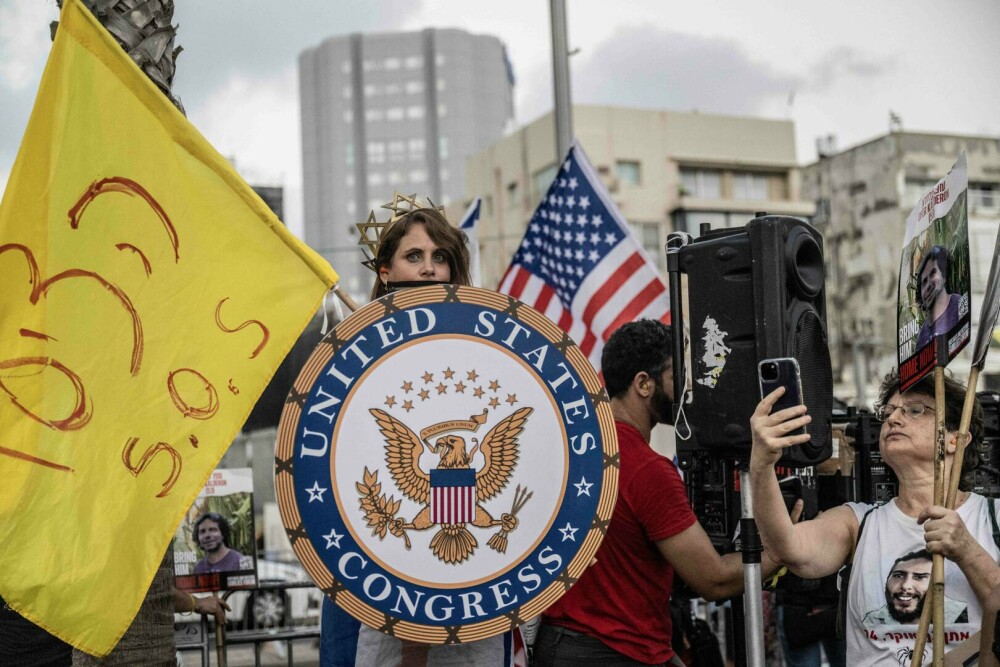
x=781, y=372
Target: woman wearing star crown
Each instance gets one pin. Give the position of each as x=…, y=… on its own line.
x=417, y=246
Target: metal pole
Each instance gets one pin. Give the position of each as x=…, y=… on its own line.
x=560, y=79
x=752, y=608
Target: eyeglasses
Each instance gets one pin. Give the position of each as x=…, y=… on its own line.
x=911, y=410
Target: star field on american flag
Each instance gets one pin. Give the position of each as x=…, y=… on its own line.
x=567, y=235
x=579, y=263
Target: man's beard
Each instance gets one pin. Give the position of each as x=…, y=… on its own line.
x=218, y=545
x=905, y=617
x=663, y=406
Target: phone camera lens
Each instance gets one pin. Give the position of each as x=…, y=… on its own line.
x=769, y=371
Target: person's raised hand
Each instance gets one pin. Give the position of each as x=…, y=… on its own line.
x=771, y=431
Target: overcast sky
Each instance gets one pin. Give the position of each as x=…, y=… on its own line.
x=833, y=68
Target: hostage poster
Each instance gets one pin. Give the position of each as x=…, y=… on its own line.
x=215, y=545
x=934, y=277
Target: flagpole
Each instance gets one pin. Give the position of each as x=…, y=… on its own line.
x=560, y=78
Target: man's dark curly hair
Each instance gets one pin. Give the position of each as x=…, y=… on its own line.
x=218, y=519
x=954, y=400
x=644, y=345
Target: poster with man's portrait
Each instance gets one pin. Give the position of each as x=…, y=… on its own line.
x=934, y=277
x=215, y=547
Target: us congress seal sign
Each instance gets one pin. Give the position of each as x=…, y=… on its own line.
x=446, y=464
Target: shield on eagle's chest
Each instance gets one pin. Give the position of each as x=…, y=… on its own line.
x=453, y=495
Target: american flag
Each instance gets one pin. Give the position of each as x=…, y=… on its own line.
x=453, y=495
x=580, y=265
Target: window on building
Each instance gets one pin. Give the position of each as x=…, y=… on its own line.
x=445, y=174
x=352, y=208
x=414, y=62
x=375, y=178
x=345, y=67
x=439, y=59
x=347, y=92
x=376, y=152
x=984, y=195
x=349, y=155
x=441, y=85
x=413, y=87
x=749, y=186
x=371, y=90
x=394, y=113
x=415, y=111
x=542, y=179
x=391, y=63
x=349, y=180
x=648, y=234
x=348, y=116
x=442, y=110
x=443, y=148
x=416, y=148
x=397, y=151
x=374, y=115
x=393, y=89
x=701, y=183
x=915, y=189
x=368, y=65
x=418, y=176
x=395, y=177
x=627, y=172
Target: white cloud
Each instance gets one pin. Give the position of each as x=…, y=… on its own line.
x=255, y=124
x=24, y=40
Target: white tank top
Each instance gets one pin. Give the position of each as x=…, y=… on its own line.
x=880, y=627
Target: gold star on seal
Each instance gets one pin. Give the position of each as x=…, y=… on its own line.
x=494, y=403
x=472, y=375
x=390, y=401
x=460, y=388
x=407, y=405
x=511, y=398
x=494, y=385
x=448, y=373
x=442, y=388
x=424, y=394
x=479, y=392
x=427, y=377
x=407, y=387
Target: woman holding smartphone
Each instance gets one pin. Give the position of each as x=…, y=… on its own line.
x=890, y=546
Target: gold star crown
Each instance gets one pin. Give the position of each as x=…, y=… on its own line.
x=371, y=230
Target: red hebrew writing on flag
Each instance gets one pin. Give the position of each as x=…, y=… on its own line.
x=580, y=265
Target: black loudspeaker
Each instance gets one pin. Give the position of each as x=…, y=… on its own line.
x=755, y=293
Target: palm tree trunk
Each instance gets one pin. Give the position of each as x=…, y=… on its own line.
x=144, y=31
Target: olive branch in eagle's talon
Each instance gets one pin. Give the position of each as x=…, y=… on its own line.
x=380, y=511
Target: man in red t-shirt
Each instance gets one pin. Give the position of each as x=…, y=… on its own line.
x=618, y=613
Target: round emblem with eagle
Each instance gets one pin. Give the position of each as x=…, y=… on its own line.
x=446, y=464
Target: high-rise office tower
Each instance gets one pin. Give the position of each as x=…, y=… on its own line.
x=393, y=112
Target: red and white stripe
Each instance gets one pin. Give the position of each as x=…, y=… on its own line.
x=453, y=504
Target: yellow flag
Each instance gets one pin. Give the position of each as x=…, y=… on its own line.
x=146, y=297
